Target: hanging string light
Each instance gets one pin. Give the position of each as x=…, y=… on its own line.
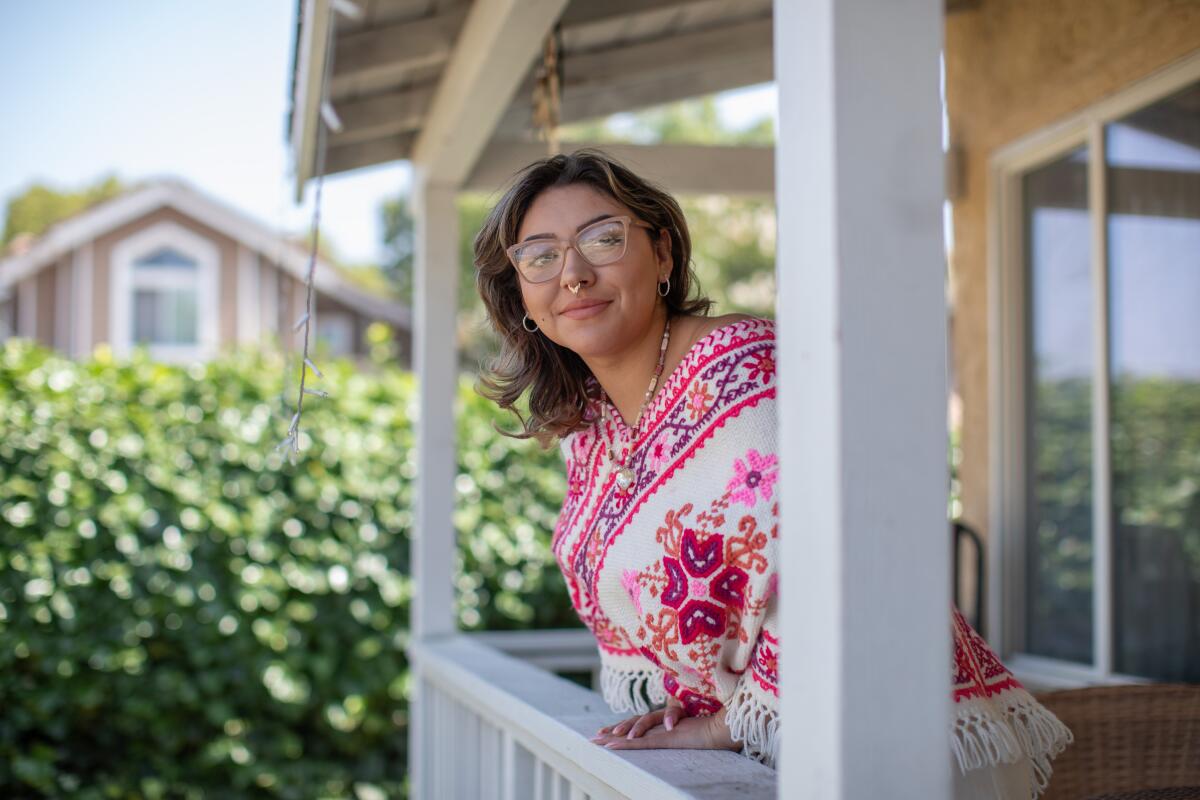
x=327, y=121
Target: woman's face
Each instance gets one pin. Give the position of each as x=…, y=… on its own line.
x=625, y=291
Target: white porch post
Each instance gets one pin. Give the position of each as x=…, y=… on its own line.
x=861, y=325
x=498, y=41
x=436, y=362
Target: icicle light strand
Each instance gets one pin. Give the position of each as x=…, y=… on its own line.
x=292, y=441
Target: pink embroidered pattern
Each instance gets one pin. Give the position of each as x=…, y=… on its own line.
x=629, y=580
x=660, y=451
x=696, y=705
x=694, y=596
x=762, y=368
x=756, y=475
x=715, y=363
x=764, y=667
x=701, y=582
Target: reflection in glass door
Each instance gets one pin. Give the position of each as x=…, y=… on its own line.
x=1058, y=549
x=1152, y=164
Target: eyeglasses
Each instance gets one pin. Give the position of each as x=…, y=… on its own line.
x=600, y=243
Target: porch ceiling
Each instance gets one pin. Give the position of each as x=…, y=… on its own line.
x=616, y=55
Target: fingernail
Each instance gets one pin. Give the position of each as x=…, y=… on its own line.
x=668, y=723
x=610, y=745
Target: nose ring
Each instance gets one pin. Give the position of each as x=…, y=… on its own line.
x=575, y=289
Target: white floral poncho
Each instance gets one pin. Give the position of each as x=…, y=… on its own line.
x=676, y=576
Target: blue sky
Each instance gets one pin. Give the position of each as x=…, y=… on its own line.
x=197, y=90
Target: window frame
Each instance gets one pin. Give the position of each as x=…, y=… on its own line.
x=1008, y=306
x=343, y=322
x=123, y=284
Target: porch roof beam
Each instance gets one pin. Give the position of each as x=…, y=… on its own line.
x=741, y=170
x=649, y=74
x=387, y=54
x=682, y=52
x=354, y=155
x=498, y=42
x=642, y=91
x=402, y=112
x=382, y=115
x=587, y=13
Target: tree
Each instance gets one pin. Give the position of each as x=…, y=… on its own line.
x=40, y=206
x=684, y=122
x=399, y=242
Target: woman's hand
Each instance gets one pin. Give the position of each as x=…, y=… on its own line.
x=634, y=727
x=685, y=733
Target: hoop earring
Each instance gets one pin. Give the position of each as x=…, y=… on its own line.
x=525, y=319
x=668, y=291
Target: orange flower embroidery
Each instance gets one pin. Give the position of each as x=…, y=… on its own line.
x=666, y=632
x=699, y=401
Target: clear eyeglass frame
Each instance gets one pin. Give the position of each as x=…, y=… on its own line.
x=573, y=243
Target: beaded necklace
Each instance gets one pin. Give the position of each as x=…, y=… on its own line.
x=625, y=474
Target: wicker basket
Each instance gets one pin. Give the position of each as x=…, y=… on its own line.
x=1183, y=793
x=1127, y=738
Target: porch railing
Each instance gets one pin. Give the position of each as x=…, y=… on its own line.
x=489, y=725
x=561, y=650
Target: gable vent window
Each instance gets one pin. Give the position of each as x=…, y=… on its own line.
x=165, y=285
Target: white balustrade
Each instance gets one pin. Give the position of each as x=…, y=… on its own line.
x=495, y=727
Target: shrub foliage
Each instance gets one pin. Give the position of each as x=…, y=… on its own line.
x=183, y=613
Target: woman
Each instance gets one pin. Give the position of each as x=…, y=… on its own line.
x=666, y=420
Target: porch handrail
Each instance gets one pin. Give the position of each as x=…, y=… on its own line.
x=517, y=731
x=554, y=650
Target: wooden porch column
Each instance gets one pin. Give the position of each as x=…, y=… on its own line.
x=862, y=363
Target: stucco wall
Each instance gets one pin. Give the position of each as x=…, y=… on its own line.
x=1014, y=67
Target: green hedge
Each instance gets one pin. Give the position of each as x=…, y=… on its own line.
x=184, y=614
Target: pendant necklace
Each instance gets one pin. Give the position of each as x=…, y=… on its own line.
x=625, y=474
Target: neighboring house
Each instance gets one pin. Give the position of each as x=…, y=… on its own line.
x=170, y=268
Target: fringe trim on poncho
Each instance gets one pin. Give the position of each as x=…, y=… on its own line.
x=1002, y=730
x=626, y=691
x=755, y=724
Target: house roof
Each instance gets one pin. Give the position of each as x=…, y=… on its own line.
x=70, y=233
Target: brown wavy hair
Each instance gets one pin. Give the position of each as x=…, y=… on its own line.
x=555, y=376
